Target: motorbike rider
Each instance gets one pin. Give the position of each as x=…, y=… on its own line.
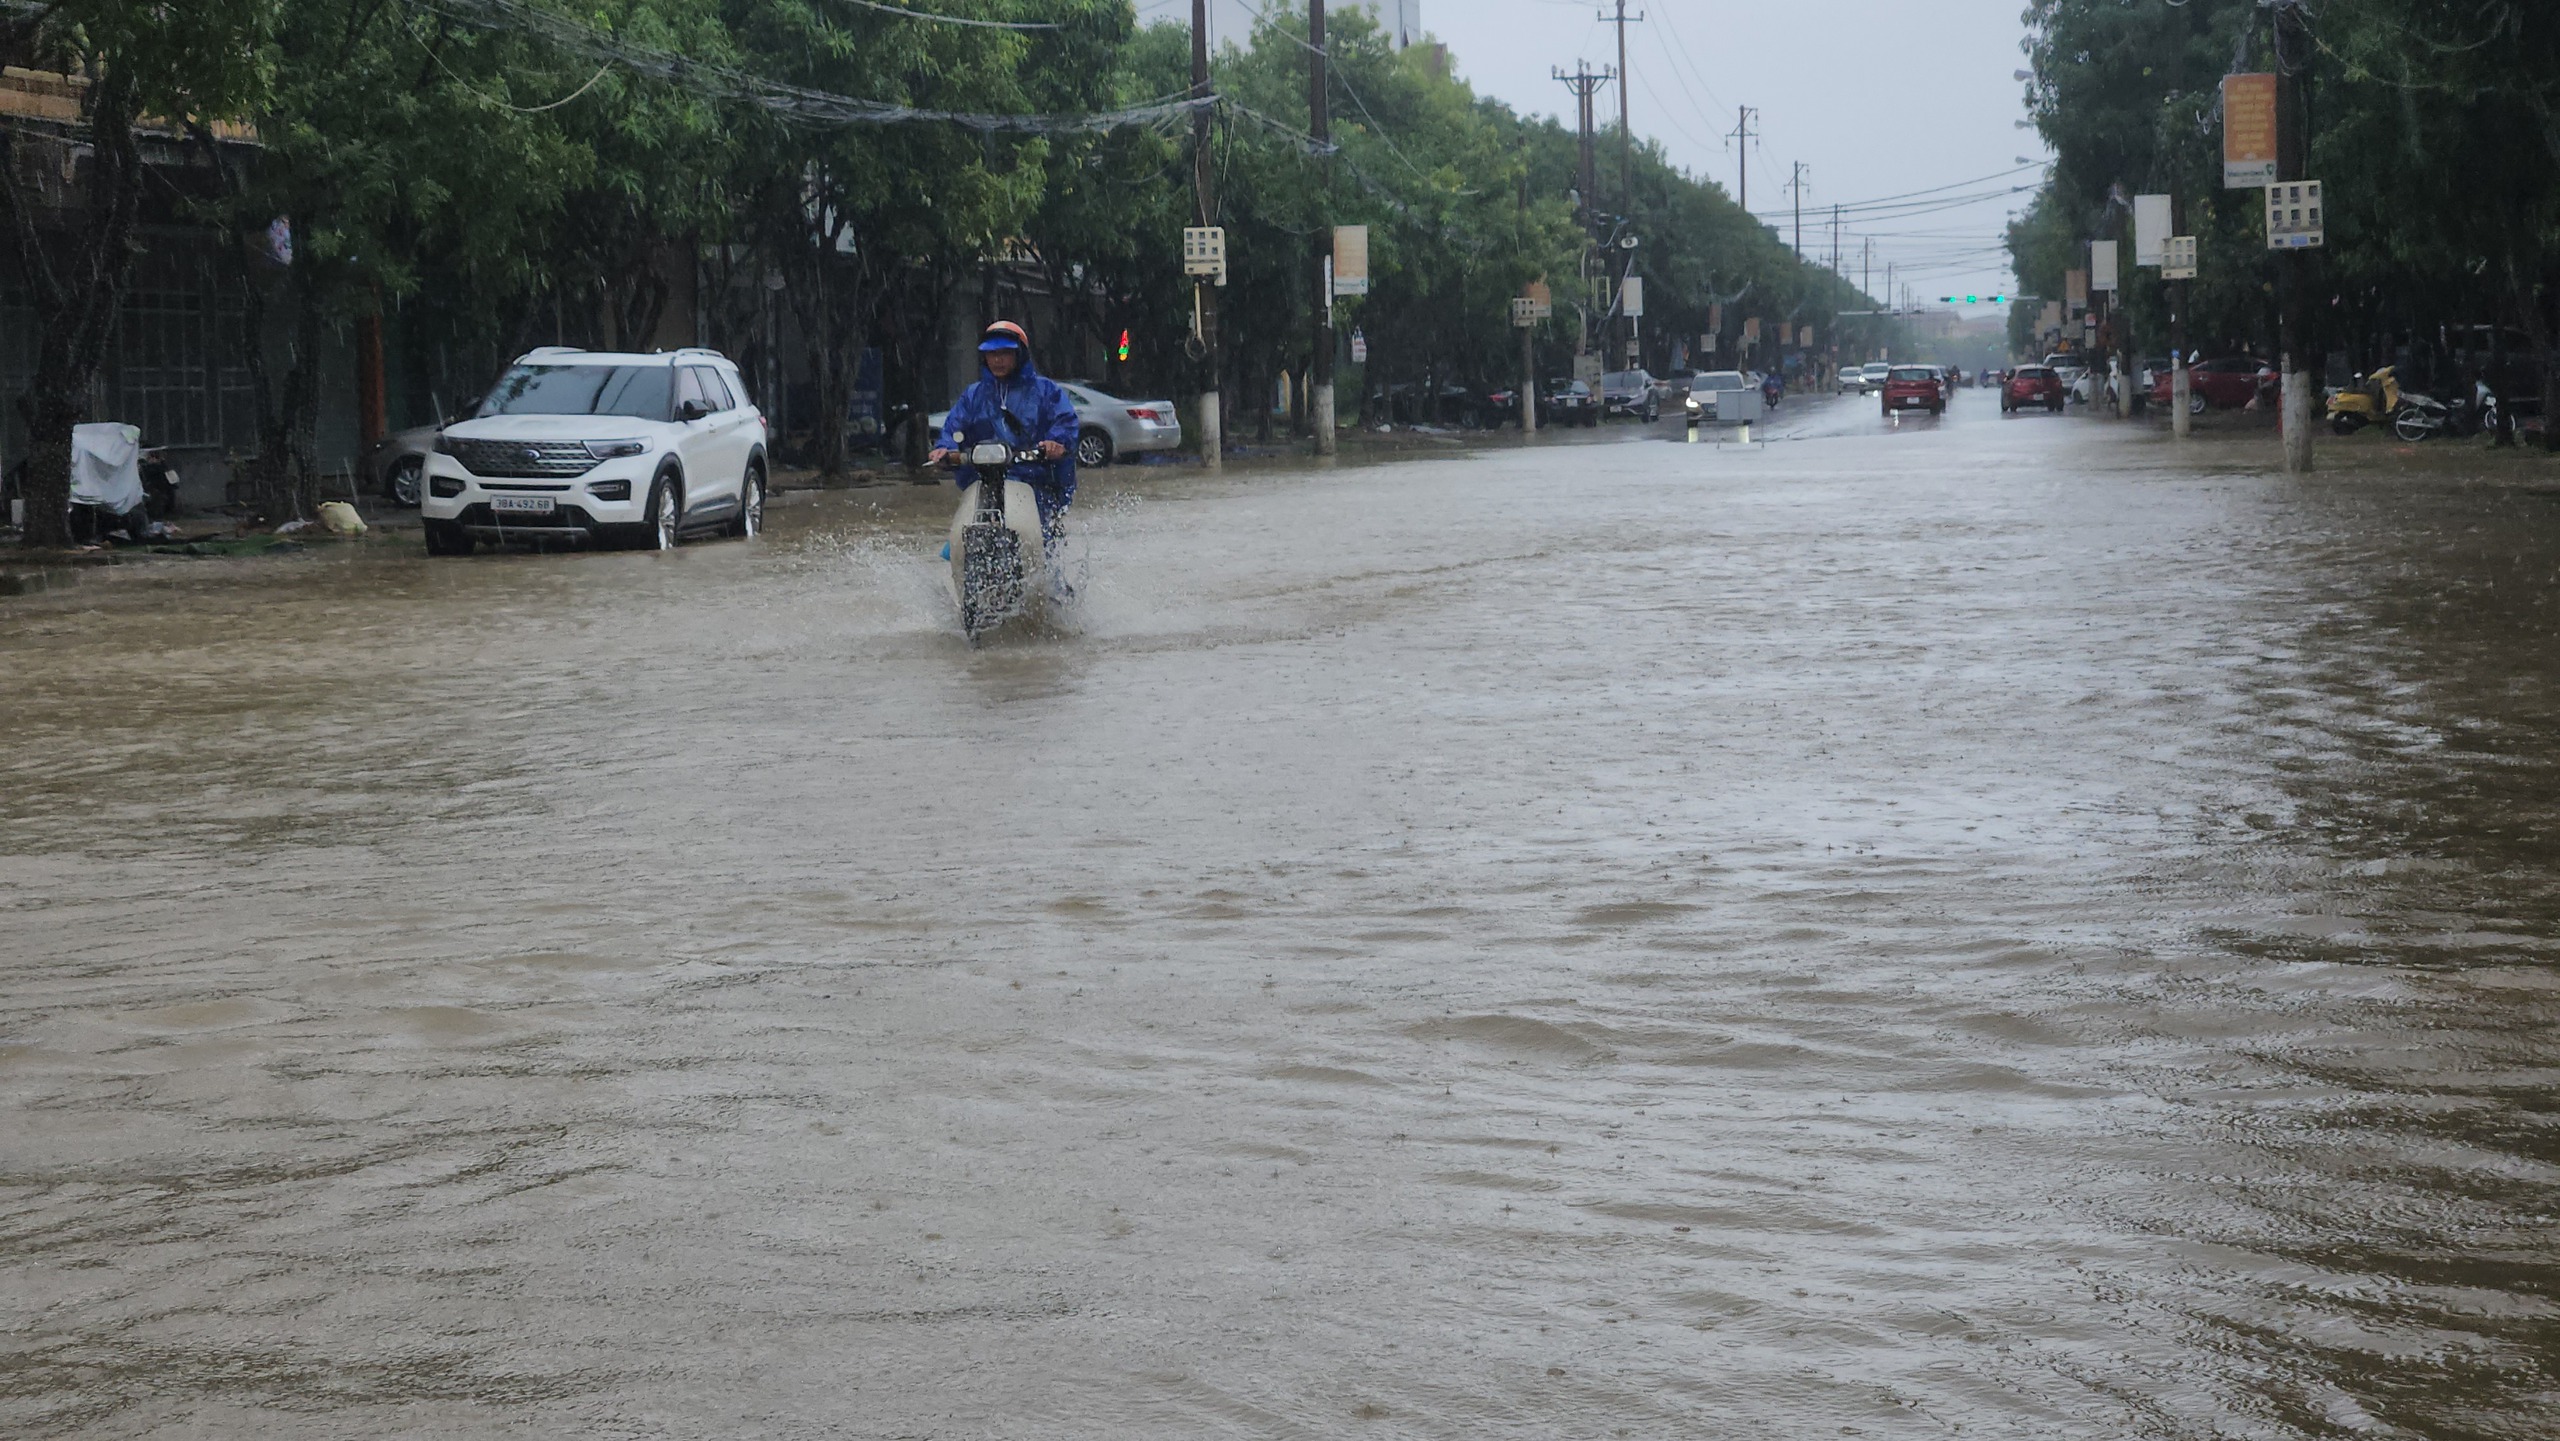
x=1012, y=402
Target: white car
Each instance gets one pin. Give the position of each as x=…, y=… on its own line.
x=584, y=445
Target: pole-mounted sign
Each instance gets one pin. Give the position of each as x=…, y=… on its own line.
x=1204, y=252
x=2178, y=259
x=2248, y=131
x=2150, y=228
x=1351, y=260
x=2294, y=220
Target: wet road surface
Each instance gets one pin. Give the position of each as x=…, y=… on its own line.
x=1991, y=926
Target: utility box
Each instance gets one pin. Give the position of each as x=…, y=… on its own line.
x=1204, y=252
x=2294, y=218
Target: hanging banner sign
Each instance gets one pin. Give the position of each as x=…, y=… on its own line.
x=1751, y=331
x=2075, y=288
x=1542, y=298
x=1351, y=260
x=1359, y=348
x=2150, y=228
x=2179, y=261
x=2248, y=131
x=2102, y=266
x=1631, y=297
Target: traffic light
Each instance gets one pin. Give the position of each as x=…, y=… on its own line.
x=1124, y=347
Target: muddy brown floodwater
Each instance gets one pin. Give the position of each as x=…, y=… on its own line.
x=1998, y=927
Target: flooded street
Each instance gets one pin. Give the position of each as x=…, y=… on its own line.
x=1997, y=926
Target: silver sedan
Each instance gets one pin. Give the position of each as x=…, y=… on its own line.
x=1107, y=426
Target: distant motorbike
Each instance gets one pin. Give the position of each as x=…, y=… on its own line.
x=2423, y=417
x=999, y=557
x=1773, y=389
x=2353, y=407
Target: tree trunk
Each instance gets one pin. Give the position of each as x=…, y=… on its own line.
x=76, y=303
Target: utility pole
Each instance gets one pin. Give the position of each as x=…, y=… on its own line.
x=2181, y=424
x=1583, y=82
x=1205, y=298
x=1623, y=329
x=1742, y=134
x=2297, y=402
x=1320, y=125
x=1797, y=186
x=1529, y=332
x=1626, y=140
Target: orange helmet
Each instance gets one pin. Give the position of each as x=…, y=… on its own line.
x=1004, y=335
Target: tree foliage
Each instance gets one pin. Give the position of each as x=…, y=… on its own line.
x=2434, y=126
x=477, y=183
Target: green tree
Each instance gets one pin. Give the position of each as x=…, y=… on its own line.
x=142, y=58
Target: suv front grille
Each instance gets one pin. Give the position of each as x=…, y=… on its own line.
x=525, y=458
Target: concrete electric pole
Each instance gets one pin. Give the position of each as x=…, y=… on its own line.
x=1742, y=134
x=1320, y=125
x=1583, y=82
x=1205, y=296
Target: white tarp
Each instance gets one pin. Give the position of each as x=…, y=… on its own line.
x=104, y=472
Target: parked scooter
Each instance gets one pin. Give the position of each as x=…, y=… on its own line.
x=2423, y=417
x=999, y=559
x=2353, y=407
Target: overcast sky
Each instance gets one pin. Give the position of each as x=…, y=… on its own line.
x=1878, y=98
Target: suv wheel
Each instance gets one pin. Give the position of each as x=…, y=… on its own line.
x=750, y=521
x=666, y=513
x=1093, y=449
x=403, y=483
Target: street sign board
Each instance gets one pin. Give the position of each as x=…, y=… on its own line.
x=1359, y=348
x=1751, y=331
x=1707, y=344
x=2102, y=266
x=2178, y=260
x=1204, y=251
x=2150, y=228
x=2294, y=220
x=1524, y=312
x=1631, y=297
x=1543, y=298
x=2075, y=288
x=2050, y=322
x=2248, y=131
x=1351, y=260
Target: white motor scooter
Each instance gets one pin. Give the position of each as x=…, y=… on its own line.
x=999, y=562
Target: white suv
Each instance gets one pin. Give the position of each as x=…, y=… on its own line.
x=595, y=446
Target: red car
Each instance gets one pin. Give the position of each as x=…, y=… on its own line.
x=2226, y=384
x=2032, y=385
x=1914, y=387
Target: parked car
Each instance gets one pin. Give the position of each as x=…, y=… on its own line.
x=1915, y=387
x=2039, y=385
x=1570, y=402
x=1108, y=427
x=2228, y=383
x=1630, y=393
x=580, y=445
x=397, y=464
